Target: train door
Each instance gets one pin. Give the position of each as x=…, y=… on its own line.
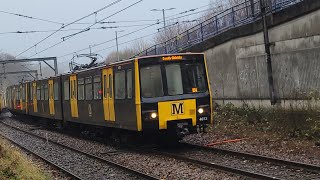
x=35, y=102
x=108, y=99
x=74, y=97
x=51, y=97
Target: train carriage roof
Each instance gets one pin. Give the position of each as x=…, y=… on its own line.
x=110, y=65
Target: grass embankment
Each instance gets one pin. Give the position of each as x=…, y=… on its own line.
x=15, y=165
x=285, y=123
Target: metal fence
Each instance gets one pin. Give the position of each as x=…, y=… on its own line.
x=240, y=14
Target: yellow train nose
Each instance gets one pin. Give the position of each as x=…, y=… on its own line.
x=176, y=110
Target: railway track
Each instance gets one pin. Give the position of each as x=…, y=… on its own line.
x=68, y=172
x=271, y=168
x=255, y=157
x=62, y=169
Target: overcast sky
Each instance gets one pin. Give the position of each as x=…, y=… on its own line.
x=66, y=11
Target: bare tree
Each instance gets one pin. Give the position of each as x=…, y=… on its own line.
x=172, y=30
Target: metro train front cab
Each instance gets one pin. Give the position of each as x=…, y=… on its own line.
x=175, y=93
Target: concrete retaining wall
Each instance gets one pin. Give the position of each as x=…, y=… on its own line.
x=238, y=71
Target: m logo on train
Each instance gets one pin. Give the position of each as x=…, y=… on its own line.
x=177, y=108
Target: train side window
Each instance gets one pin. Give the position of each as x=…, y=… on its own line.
x=31, y=93
x=42, y=92
x=129, y=84
x=97, y=87
x=38, y=92
x=110, y=86
x=46, y=93
x=88, y=88
x=56, y=91
x=105, y=89
x=18, y=94
x=120, y=86
x=23, y=93
x=81, y=89
x=66, y=90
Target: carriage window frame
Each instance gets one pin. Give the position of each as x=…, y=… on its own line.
x=110, y=86
x=97, y=95
x=56, y=91
x=42, y=92
x=81, y=89
x=38, y=92
x=105, y=89
x=66, y=92
x=46, y=92
x=88, y=88
x=120, y=85
x=31, y=93
x=129, y=83
x=23, y=93
x=18, y=93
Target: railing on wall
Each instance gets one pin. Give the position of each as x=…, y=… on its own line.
x=240, y=14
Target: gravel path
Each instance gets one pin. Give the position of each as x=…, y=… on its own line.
x=159, y=166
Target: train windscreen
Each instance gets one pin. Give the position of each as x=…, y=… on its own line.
x=173, y=78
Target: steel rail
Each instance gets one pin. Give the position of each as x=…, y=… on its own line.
x=73, y=176
x=216, y=166
x=140, y=174
x=255, y=157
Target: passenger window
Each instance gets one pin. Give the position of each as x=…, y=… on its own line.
x=18, y=94
x=56, y=91
x=38, y=92
x=119, y=86
x=88, y=88
x=42, y=92
x=110, y=86
x=31, y=93
x=23, y=93
x=66, y=90
x=129, y=84
x=81, y=89
x=97, y=87
x=46, y=94
x=105, y=89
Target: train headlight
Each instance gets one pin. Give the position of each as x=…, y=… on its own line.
x=200, y=110
x=154, y=115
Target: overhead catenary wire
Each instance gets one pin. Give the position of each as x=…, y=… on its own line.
x=65, y=30
x=126, y=42
x=63, y=26
x=30, y=17
x=110, y=40
x=87, y=29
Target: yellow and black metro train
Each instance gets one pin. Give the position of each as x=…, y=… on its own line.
x=153, y=94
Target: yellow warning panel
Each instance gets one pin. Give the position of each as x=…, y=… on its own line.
x=176, y=110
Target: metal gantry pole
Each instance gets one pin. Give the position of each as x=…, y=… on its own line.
x=55, y=66
x=117, y=46
x=273, y=97
x=164, y=18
